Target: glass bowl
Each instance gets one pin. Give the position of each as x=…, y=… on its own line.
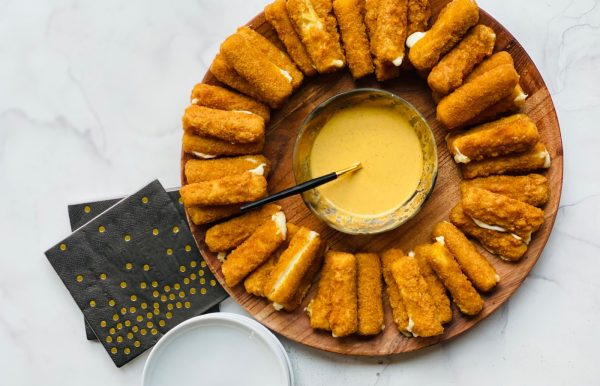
x=338, y=218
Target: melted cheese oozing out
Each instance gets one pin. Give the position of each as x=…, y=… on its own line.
x=286, y=74
x=259, y=170
x=441, y=240
x=398, y=61
x=520, y=98
x=279, y=219
x=497, y=278
x=194, y=101
x=244, y=111
x=277, y=306
x=337, y=63
x=202, y=155
x=411, y=254
x=547, y=160
x=483, y=225
x=410, y=326
x=414, y=38
x=221, y=256
x=459, y=157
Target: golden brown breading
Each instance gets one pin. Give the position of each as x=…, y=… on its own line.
x=370, y=302
x=255, y=250
x=198, y=170
x=319, y=308
x=472, y=98
x=314, y=26
x=419, y=13
x=391, y=31
x=532, y=189
x=383, y=71
x=272, y=83
x=293, y=264
x=276, y=14
x=206, y=214
x=394, y=298
x=350, y=17
x=452, y=69
x=227, y=75
x=479, y=271
x=494, y=210
x=305, y=285
x=234, y=189
x=514, y=134
x=231, y=126
x=421, y=309
x=207, y=148
x=496, y=60
x=230, y=234
x=216, y=97
x=467, y=299
x=504, y=245
x=451, y=25
x=509, y=104
x=535, y=159
x=436, y=287
x=343, y=318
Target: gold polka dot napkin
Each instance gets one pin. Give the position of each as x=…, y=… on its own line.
x=135, y=272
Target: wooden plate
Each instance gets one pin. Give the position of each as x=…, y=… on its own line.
x=281, y=134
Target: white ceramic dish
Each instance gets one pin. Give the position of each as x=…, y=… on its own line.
x=218, y=349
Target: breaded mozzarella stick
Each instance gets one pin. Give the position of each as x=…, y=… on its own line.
x=479, y=271
x=294, y=262
x=514, y=134
x=453, y=22
x=305, y=283
x=421, y=309
x=419, y=13
x=319, y=308
x=472, y=98
x=370, y=302
x=436, y=287
x=201, y=215
x=234, y=189
x=216, y=97
x=394, y=298
x=467, y=299
x=227, y=75
x=343, y=318
x=535, y=159
x=452, y=69
x=508, y=104
x=232, y=126
x=198, y=170
x=230, y=234
x=208, y=148
x=276, y=14
x=532, y=189
x=322, y=46
x=504, y=245
x=391, y=31
x=255, y=250
x=383, y=71
x=350, y=17
x=503, y=214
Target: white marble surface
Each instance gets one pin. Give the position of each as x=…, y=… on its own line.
x=90, y=99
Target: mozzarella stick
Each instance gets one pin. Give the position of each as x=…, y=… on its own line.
x=230, y=234
x=383, y=71
x=216, y=97
x=514, y=134
x=273, y=83
x=453, y=22
x=273, y=54
x=436, y=287
x=502, y=244
x=470, y=99
x=294, y=262
x=467, y=299
x=256, y=281
x=198, y=170
x=276, y=14
x=232, y=126
x=536, y=158
x=208, y=148
x=305, y=284
x=391, y=31
x=451, y=71
x=234, y=189
x=421, y=309
x=419, y=13
x=343, y=318
x=370, y=302
x=479, y=271
x=322, y=46
x=350, y=17
x=255, y=250
x=227, y=75
x=532, y=189
x=511, y=103
x=319, y=308
x=394, y=298
x=201, y=215
x=503, y=214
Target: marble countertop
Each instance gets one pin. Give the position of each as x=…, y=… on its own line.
x=90, y=99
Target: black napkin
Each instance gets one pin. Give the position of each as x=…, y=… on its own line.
x=135, y=272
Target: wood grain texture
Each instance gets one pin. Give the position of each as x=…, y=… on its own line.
x=281, y=135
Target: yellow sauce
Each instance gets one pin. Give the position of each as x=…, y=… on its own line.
x=384, y=142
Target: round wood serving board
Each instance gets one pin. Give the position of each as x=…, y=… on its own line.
x=281, y=134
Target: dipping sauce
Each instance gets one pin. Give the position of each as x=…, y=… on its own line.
x=383, y=140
